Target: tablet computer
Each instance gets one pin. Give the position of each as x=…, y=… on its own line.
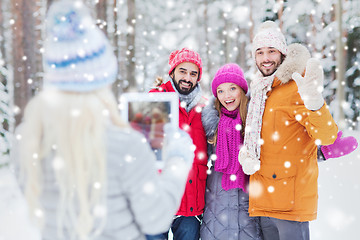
x=148, y=113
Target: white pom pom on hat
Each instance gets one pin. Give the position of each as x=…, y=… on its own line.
x=77, y=55
x=267, y=25
x=269, y=35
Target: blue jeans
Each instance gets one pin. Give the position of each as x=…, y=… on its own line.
x=183, y=228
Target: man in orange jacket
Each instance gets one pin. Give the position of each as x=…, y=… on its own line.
x=287, y=119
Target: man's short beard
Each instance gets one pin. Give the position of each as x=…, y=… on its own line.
x=269, y=74
x=277, y=67
x=176, y=84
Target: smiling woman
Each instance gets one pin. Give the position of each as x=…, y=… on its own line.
x=229, y=95
x=226, y=198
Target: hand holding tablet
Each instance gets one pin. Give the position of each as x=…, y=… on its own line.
x=148, y=113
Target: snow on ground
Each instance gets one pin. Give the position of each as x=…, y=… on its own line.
x=339, y=197
x=14, y=221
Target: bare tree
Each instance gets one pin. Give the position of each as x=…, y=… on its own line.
x=280, y=13
x=24, y=58
x=340, y=56
x=251, y=20
x=207, y=39
x=2, y=32
x=226, y=39
x=242, y=54
x=4, y=96
x=130, y=42
x=49, y=2
x=116, y=85
x=101, y=15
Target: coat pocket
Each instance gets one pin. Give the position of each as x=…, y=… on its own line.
x=273, y=188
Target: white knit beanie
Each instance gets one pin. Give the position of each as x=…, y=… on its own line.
x=269, y=35
x=78, y=56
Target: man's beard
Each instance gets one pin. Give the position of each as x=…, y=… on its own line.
x=183, y=91
x=267, y=73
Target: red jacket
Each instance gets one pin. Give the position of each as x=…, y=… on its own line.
x=193, y=201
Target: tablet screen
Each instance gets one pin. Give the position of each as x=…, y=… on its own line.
x=148, y=113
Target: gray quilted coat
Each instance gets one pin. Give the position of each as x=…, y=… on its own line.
x=226, y=212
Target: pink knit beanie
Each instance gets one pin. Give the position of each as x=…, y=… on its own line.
x=185, y=55
x=269, y=35
x=229, y=73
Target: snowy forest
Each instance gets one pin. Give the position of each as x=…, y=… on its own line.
x=144, y=33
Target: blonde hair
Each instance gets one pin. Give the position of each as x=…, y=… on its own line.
x=69, y=128
x=242, y=110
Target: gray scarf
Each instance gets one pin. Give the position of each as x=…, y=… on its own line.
x=191, y=99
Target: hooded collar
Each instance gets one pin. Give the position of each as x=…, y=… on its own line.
x=295, y=61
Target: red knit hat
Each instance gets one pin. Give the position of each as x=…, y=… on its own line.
x=185, y=55
x=229, y=73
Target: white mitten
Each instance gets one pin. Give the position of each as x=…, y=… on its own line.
x=310, y=86
x=249, y=164
x=178, y=144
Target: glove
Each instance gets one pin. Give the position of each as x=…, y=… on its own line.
x=311, y=85
x=249, y=163
x=178, y=144
x=341, y=147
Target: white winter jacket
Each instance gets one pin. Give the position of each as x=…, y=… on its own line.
x=139, y=200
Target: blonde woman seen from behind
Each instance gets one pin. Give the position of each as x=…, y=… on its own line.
x=85, y=173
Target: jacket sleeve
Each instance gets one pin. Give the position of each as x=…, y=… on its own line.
x=153, y=198
x=210, y=118
x=319, y=124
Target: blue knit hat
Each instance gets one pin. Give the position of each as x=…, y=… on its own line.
x=78, y=57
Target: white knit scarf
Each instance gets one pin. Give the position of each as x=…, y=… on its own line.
x=249, y=155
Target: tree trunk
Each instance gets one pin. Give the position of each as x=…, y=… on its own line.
x=241, y=55
x=251, y=20
x=280, y=13
x=101, y=15
x=130, y=42
x=24, y=57
x=121, y=46
x=2, y=33
x=49, y=2
x=207, y=39
x=116, y=87
x=340, y=56
x=226, y=39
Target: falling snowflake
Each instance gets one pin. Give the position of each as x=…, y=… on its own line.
x=271, y=189
x=149, y=188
